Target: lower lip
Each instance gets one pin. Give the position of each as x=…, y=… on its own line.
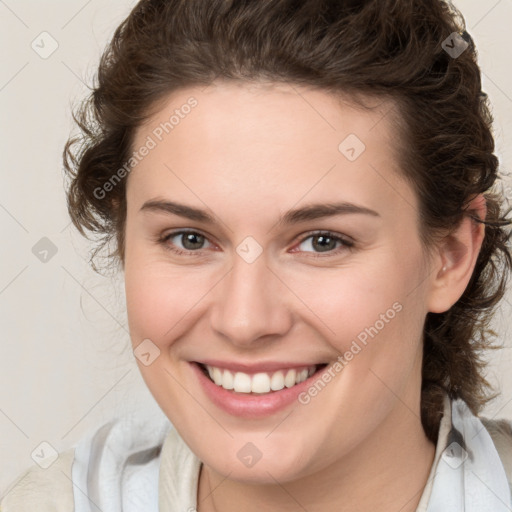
x=248, y=405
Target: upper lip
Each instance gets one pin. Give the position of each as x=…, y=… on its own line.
x=262, y=366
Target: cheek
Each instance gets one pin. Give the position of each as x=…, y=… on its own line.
x=346, y=302
x=155, y=295
x=372, y=315
x=152, y=304
x=162, y=299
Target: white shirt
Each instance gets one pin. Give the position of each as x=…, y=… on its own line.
x=131, y=465
x=135, y=464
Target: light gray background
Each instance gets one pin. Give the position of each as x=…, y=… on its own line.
x=65, y=365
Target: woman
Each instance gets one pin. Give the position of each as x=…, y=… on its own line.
x=300, y=196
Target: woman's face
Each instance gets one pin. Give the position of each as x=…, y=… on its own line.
x=256, y=288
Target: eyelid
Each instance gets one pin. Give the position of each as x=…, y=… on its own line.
x=171, y=234
x=345, y=238
x=347, y=242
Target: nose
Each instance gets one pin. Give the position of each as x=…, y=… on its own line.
x=251, y=303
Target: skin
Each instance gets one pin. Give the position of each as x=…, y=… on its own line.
x=247, y=154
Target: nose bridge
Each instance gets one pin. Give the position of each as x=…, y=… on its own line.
x=249, y=303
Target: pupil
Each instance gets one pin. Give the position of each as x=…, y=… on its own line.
x=323, y=247
x=189, y=237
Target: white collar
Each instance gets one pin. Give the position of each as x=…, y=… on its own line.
x=134, y=463
x=469, y=476
x=466, y=476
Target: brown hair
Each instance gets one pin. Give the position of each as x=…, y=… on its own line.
x=389, y=49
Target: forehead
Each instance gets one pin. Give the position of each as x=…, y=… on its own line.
x=274, y=142
x=279, y=112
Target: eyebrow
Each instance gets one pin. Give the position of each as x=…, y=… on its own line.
x=295, y=216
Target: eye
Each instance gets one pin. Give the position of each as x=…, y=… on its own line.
x=192, y=242
x=325, y=242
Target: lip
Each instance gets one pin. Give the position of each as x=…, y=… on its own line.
x=269, y=366
x=252, y=406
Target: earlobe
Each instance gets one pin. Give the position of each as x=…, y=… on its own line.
x=457, y=256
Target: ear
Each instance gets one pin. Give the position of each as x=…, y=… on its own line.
x=456, y=257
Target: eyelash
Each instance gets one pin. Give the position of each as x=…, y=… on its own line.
x=346, y=243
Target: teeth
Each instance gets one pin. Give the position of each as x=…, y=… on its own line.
x=242, y=382
x=289, y=380
x=217, y=376
x=277, y=381
x=227, y=380
x=259, y=382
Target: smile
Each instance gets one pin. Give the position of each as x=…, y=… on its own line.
x=263, y=382
x=258, y=392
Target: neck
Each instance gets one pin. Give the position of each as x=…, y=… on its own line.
x=387, y=472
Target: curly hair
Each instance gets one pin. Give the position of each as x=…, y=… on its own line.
x=387, y=49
